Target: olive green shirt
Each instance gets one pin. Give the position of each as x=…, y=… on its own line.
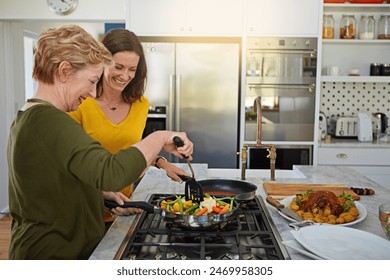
x=56, y=177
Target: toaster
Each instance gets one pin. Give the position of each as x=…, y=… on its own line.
x=346, y=127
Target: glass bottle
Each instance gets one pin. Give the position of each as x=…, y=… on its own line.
x=348, y=27
x=384, y=27
x=328, y=27
x=366, y=27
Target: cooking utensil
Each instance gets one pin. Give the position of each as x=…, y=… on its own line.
x=363, y=191
x=215, y=221
x=193, y=190
x=283, y=209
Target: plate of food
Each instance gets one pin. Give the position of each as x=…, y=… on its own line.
x=326, y=208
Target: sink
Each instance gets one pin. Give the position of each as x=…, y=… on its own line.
x=254, y=173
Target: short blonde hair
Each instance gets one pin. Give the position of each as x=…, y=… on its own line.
x=67, y=43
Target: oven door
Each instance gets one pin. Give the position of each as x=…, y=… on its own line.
x=287, y=112
x=281, y=61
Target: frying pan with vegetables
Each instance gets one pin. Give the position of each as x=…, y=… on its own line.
x=181, y=218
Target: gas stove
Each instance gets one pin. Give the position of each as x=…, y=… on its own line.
x=251, y=235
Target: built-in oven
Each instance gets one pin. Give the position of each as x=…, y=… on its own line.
x=282, y=72
x=157, y=120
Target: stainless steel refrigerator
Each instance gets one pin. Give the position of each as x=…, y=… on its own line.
x=198, y=81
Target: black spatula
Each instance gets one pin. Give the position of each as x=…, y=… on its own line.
x=193, y=189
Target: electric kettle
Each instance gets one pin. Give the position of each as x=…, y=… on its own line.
x=380, y=122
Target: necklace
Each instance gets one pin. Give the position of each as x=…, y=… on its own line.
x=112, y=108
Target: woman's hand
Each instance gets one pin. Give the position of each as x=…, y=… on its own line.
x=120, y=198
x=185, y=150
x=172, y=170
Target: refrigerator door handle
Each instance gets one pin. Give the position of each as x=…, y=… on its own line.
x=171, y=108
x=177, y=104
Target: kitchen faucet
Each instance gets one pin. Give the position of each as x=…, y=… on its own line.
x=270, y=147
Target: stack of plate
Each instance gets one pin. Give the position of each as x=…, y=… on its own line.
x=341, y=243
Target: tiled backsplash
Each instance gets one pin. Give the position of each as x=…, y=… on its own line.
x=347, y=99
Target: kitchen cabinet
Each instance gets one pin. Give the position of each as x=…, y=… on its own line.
x=283, y=17
x=185, y=17
x=354, y=54
x=371, y=162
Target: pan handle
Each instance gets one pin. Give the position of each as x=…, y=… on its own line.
x=132, y=204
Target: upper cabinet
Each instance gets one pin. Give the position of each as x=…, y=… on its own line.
x=185, y=17
x=354, y=56
x=300, y=18
x=283, y=17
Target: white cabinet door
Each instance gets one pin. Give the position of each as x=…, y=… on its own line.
x=185, y=17
x=283, y=17
x=206, y=17
x=156, y=17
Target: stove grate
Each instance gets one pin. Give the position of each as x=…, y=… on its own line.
x=249, y=236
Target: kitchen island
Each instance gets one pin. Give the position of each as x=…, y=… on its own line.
x=156, y=181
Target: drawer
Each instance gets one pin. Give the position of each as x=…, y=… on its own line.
x=354, y=156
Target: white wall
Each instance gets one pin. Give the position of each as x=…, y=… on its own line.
x=112, y=10
x=16, y=16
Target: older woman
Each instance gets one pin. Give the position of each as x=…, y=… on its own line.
x=56, y=171
x=117, y=117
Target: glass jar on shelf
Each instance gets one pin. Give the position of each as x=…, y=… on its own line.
x=348, y=27
x=366, y=27
x=328, y=27
x=384, y=27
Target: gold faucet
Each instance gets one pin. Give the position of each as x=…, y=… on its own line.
x=270, y=147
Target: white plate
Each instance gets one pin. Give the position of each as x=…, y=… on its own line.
x=342, y=243
x=362, y=211
x=293, y=244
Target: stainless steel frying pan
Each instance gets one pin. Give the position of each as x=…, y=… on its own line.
x=182, y=220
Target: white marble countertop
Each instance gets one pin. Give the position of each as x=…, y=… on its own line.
x=155, y=181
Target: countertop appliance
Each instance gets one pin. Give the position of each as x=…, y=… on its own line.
x=346, y=126
x=364, y=127
x=252, y=235
x=282, y=71
x=323, y=125
x=198, y=79
x=379, y=124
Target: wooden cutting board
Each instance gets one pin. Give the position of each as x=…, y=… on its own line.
x=280, y=191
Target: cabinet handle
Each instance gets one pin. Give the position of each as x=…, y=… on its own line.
x=341, y=155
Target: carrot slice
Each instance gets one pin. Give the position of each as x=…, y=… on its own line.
x=225, y=209
x=201, y=212
x=216, y=209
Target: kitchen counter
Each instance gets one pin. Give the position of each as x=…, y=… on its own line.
x=156, y=181
x=381, y=143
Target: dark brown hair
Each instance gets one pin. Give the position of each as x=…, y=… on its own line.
x=119, y=40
